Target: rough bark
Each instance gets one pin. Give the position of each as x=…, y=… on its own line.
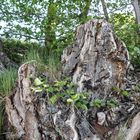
x=98, y=59
x=134, y=131
x=19, y=107
x=97, y=62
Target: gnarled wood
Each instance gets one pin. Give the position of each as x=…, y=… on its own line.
x=98, y=59
x=97, y=62
x=20, y=108
x=134, y=131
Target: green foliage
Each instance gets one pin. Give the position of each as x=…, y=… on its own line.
x=50, y=22
x=65, y=91
x=120, y=91
x=126, y=28
x=125, y=93
x=7, y=81
x=32, y=54
x=54, y=66
x=17, y=50
x=134, y=51
x=97, y=103
x=112, y=103
x=116, y=89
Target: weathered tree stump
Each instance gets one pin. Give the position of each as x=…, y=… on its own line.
x=97, y=61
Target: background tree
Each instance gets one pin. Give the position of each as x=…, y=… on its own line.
x=136, y=4
x=51, y=22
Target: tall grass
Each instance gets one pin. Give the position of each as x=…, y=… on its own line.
x=7, y=81
x=45, y=62
x=32, y=54
x=54, y=66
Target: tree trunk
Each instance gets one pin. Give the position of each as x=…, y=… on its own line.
x=50, y=26
x=136, y=5
x=105, y=10
x=84, y=11
x=97, y=62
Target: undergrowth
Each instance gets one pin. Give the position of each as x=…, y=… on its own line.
x=50, y=63
x=7, y=83
x=65, y=91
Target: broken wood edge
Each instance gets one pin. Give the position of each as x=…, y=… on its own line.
x=134, y=131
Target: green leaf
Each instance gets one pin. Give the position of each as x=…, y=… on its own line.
x=97, y=103
x=37, y=82
x=37, y=89
x=112, y=103
x=54, y=99
x=45, y=85
x=125, y=93
x=75, y=97
x=116, y=89
x=82, y=106
x=60, y=83
x=50, y=89
x=69, y=100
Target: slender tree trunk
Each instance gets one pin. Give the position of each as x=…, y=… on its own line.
x=84, y=11
x=50, y=35
x=105, y=10
x=136, y=5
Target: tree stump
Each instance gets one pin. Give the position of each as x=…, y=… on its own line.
x=98, y=59
x=97, y=62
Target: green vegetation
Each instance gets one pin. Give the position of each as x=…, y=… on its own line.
x=97, y=103
x=7, y=81
x=40, y=30
x=32, y=55
x=54, y=23
x=121, y=92
x=126, y=28
x=65, y=91
x=17, y=50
